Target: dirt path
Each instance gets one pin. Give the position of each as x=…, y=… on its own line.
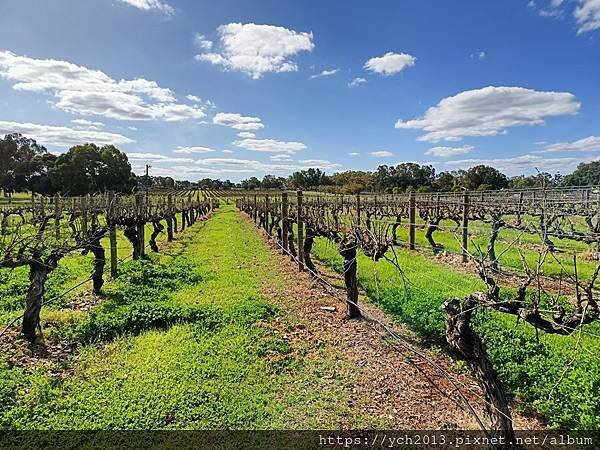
x=393, y=387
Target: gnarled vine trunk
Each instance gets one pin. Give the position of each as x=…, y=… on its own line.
x=348, y=252
x=309, y=239
x=462, y=338
x=158, y=228
x=132, y=235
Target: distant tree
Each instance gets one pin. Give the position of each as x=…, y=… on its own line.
x=447, y=181
x=89, y=169
x=542, y=179
x=309, y=179
x=250, y=183
x=585, y=174
x=404, y=176
x=272, y=182
x=352, y=181
x=24, y=165
x=481, y=175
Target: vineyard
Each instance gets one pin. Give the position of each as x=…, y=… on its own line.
x=491, y=297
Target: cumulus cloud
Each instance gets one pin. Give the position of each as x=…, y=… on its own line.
x=523, y=164
x=270, y=145
x=62, y=136
x=587, y=14
x=325, y=73
x=381, y=154
x=196, y=149
x=445, y=152
x=148, y=5
x=258, y=49
x=202, y=43
x=87, y=123
x=390, y=63
x=87, y=91
x=356, y=82
x=192, y=98
x=588, y=144
x=237, y=121
x=156, y=158
x=246, y=134
x=489, y=111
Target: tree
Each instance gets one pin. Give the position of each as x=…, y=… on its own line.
x=352, y=181
x=485, y=176
x=24, y=164
x=272, y=182
x=89, y=169
x=308, y=179
x=585, y=174
x=250, y=183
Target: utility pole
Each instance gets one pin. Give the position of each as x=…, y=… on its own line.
x=148, y=167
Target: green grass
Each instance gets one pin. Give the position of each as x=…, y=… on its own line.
x=180, y=342
x=528, y=369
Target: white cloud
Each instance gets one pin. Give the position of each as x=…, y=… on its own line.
x=489, y=111
x=62, y=136
x=258, y=49
x=86, y=91
x=445, y=152
x=524, y=163
x=246, y=134
x=237, y=121
x=270, y=145
x=381, y=154
x=281, y=157
x=356, y=82
x=132, y=128
x=354, y=154
x=148, y=5
x=480, y=54
x=227, y=151
x=196, y=149
x=87, y=123
x=390, y=63
x=324, y=73
x=202, y=43
x=156, y=158
x=192, y=98
x=587, y=14
x=588, y=144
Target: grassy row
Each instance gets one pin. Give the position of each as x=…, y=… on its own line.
x=179, y=343
x=557, y=376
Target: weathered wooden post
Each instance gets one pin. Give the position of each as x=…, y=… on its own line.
x=284, y=220
x=358, y=209
x=57, y=212
x=348, y=251
x=139, y=203
x=255, y=211
x=84, y=215
x=412, y=217
x=169, y=217
x=465, y=227
x=266, y=222
x=112, y=234
x=300, y=232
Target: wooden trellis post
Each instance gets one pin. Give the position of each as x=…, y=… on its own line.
x=465, y=228
x=112, y=235
x=358, y=209
x=84, y=215
x=140, y=224
x=300, y=232
x=255, y=211
x=412, y=217
x=57, y=213
x=284, y=221
x=266, y=222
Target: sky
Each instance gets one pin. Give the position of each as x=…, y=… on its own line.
x=237, y=88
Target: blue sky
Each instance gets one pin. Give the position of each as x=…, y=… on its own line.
x=331, y=84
